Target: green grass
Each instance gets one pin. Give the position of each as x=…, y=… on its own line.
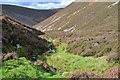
x=66, y=62
x=23, y=68
x=20, y=68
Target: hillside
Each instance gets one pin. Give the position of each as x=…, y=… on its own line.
x=27, y=15
x=90, y=29
x=21, y=39
x=81, y=16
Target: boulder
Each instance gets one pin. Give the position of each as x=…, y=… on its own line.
x=9, y=56
x=113, y=57
x=45, y=66
x=78, y=75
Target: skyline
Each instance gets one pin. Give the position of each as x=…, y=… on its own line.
x=46, y=4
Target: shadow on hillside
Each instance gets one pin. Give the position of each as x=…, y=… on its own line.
x=22, y=40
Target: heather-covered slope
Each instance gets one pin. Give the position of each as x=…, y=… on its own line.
x=90, y=29
x=27, y=15
x=21, y=39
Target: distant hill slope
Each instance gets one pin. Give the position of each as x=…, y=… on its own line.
x=88, y=28
x=81, y=16
x=27, y=15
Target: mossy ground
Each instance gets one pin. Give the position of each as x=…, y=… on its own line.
x=66, y=62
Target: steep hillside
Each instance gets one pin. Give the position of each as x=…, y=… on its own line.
x=90, y=29
x=22, y=39
x=27, y=15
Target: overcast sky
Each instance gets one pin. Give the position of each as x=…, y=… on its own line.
x=39, y=4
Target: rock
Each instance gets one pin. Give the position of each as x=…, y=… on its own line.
x=113, y=57
x=96, y=44
x=78, y=75
x=38, y=62
x=9, y=56
x=45, y=66
x=88, y=39
x=34, y=57
x=105, y=39
x=49, y=52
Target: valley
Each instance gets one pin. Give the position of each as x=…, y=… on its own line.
x=26, y=15
x=79, y=41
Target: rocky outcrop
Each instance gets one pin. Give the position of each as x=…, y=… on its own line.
x=45, y=66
